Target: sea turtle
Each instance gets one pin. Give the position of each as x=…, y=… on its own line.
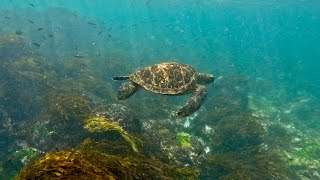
x=169, y=78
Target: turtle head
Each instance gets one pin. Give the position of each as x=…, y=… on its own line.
x=205, y=78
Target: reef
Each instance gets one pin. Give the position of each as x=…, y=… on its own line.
x=68, y=106
x=91, y=164
x=13, y=47
x=59, y=117
x=120, y=114
x=240, y=152
x=101, y=124
x=244, y=166
x=286, y=118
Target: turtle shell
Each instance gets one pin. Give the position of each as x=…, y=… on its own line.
x=166, y=78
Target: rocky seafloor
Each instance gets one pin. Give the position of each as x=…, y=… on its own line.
x=59, y=116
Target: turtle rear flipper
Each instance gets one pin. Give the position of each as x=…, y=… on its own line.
x=126, y=90
x=194, y=102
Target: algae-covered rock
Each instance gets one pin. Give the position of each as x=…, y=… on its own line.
x=101, y=124
x=2, y=91
x=248, y=164
x=68, y=105
x=174, y=144
x=238, y=132
x=96, y=165
x=13, y=47
x=121, y=115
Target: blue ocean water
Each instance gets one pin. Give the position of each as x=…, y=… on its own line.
x=265, y=56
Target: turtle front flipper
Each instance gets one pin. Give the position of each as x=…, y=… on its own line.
x=194, y=102
x=126, y=90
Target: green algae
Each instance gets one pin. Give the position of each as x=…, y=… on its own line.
x=307, y=154
x=184, y=139
x=26, y=155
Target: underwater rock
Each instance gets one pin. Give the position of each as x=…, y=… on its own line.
x=238, y=132
x=121, y=115
x=24, y=79
x=13, y=47
x=248, y=164
x=2, y=91
x=172, y=144
x=46, y=132
x=301, y=150
x=68, y=105
x=290, y=123
x=83, y=76
x=96, y=165
x=102, y=124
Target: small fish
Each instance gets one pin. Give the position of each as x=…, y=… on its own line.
x=110, y=29
x=7, y=17
x=79, y=56
x=39, y=29
x=92, y=23
x=100, y=32
x=31, y=4
x=168, y=25
x=36, y=44
x=31, y=21
x=50, y=35
x=109, y=35
x=134, y=25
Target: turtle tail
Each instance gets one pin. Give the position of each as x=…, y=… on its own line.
x=121, y=78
